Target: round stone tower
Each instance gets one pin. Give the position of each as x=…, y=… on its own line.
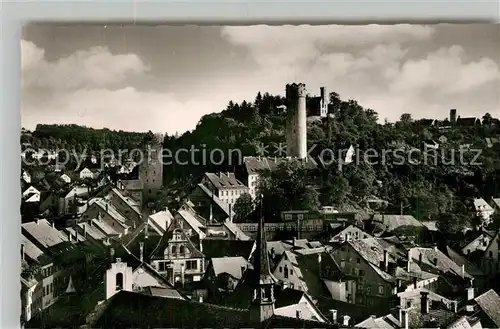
x=296, y=121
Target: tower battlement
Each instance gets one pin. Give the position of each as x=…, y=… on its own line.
x=294, y=90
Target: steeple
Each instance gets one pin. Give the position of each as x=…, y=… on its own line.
x=261, y=259
x=260, y=277
x=71, y=288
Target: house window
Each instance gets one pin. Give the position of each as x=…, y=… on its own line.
x=358, y=260
x=119, y=281
x=286, y=272
x=174, y=249
x=161, y=266
x=381, y=290
x=280, y=269
x=291, y=272
x=300, y=216
x=181, y=250
x=368, y=289
x=364, y=236
x=342, y=264
x=361, y=273
x=491, y=254
x=288, y=217
x=191, y=265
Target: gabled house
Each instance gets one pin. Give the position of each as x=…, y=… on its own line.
x=65, y=178
x=132, y=274
x=373, y=269
x=495, y=203
x=225, y=186
x=177, y=256
x=126, y=206
x=342, y=233
x=30, y=191
x=484, y=210
x=86, y=173
x=490, y=259
x=159, y=222
x=222, y=275
x=479, y=243
x=208, y=205
x=26, y=177
x=102, y=210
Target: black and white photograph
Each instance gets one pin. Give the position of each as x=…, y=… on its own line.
x=260, y=176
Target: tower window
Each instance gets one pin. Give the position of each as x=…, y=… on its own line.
x=119, y=281
x=181, y=250
x=174, y=249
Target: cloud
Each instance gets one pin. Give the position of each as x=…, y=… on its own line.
x=374, y=64
x=92, y=87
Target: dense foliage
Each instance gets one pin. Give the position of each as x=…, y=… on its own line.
x=442, y=188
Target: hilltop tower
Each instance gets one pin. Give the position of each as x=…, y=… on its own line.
x=296, y=120
x=323, y=104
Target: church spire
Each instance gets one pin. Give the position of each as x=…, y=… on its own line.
x=71, y=288
x=261, y=259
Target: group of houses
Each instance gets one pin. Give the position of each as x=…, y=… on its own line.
x=193, y=266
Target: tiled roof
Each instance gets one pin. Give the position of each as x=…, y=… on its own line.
x=374, y=323
x=44, y=233
x=131, y=203
x=71, y=231
x=444, y=263
x=239, y=234
x=224, y=180
x=288, y=297
x=229, y=265
x=193, y=222
x=372, y=251
x=132, y=184
x=213, y=248
x=392, y=222
x=128, y=309
x=489, y=302
x=218, y=202
x=101, y=203
x=104, y=227
x=92, y=231
x=31, y=250
x=496, y=202
x=162, y=219
x=77, y=191
x=254, y=165
x=461, y=260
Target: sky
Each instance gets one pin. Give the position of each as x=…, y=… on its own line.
x=165, y=78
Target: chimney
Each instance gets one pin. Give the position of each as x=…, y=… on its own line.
x=273, y=254
x=346, y=320
x=106, y=206
x=470, y=293
x=112, y=254
x=22, y=251
x=200, y=299
x=462, y=271
x=231, y=213
x=435, y=248
x=70, y=237
x=76, y=235
x=455, y=306
x=386, y=261
x=141, y=251
x=435, y=261
x=53, y=225
x=424, y=302
x=403, y=318
x=334, y=316
x=182, y=274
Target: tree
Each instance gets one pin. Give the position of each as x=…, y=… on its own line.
x=406, y=118
x=243, y=207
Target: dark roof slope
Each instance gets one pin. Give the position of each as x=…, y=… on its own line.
x=489, y=302
x=214, y=248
